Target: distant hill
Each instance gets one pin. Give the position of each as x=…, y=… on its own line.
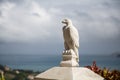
x=116, y=54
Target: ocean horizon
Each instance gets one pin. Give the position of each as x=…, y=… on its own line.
x=44, y=62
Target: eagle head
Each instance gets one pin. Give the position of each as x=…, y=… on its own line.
x=67, y=22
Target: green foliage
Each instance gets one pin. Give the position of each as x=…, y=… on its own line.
x=1, y=67
x=110, y=75
x=106, y=73
x=2, y=77
x=21, y=76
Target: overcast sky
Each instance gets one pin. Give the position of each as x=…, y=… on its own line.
x=34, y=26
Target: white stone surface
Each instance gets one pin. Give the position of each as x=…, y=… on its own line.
x=69, y=63
x=69, y=59
x=68, y=73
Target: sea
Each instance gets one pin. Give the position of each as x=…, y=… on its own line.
x=44, y=62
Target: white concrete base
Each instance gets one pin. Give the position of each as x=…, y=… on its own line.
x=68, y=73
x=69, y=59
x=69, y=63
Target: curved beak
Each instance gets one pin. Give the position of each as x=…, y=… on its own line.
x=62, y=21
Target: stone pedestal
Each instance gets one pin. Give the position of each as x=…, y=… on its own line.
x=68, y=73
x=69, y=59
x=69, y=70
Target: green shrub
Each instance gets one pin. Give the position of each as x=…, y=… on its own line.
x=2, y=77
x=21, y=76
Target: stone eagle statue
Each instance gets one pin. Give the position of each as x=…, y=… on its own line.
x=71, y=37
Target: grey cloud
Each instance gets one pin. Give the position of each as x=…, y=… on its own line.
x=0, y=13
x=39, y=21
x=14, y=1
x=36, y=14
x=1, y=1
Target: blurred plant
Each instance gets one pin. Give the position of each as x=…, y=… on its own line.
x=110, y=75
x=106, y=73
x=94, y=67
x=21, y=76
x=2, y=75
